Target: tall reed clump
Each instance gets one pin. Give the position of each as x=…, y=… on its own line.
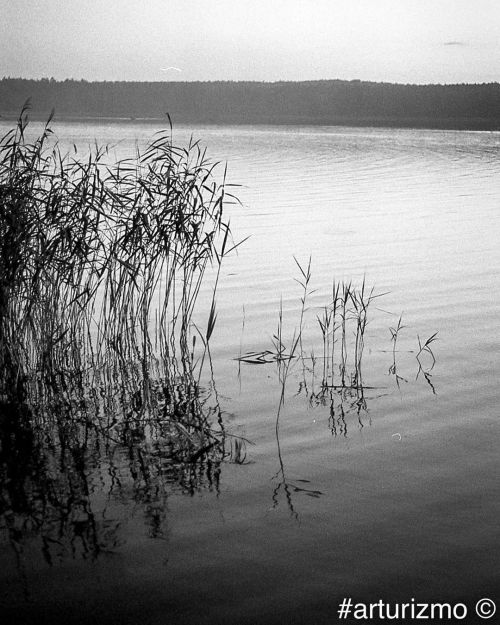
x=101, y=267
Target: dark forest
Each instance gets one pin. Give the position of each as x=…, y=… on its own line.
x=328, y=102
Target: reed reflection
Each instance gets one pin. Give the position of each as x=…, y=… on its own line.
x=333, y=380
x=71, y=482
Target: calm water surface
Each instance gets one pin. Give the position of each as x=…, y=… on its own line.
x=391, y=495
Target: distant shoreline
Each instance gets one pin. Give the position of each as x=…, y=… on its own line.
x=318, y=103
x=479, y=125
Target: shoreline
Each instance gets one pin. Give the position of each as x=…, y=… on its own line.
x=458, y=124
x=318, y=103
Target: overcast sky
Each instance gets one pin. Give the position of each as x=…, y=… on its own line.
x=414, y=41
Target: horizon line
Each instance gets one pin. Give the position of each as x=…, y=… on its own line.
x=266, y=82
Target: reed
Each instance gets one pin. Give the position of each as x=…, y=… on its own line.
x=424, y=347
x=342, y=322
x=393, y=369
x=394, y=339
x=101, y=266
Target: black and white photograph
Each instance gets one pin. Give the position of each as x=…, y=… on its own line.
x=249, y=312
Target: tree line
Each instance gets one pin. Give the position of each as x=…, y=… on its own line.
x=330, y=102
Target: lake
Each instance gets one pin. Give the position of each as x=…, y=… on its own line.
x=387, y=489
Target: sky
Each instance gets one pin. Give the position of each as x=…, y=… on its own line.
x=404, y=41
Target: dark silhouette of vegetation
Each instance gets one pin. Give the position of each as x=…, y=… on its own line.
x=100, y=270
x=329, y=102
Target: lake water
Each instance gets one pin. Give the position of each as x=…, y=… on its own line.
x=391, y=493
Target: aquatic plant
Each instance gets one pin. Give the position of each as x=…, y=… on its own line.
x=103, y=263
x=101, y=266
x=393, y=370
x=342, y=321
x=425, y=370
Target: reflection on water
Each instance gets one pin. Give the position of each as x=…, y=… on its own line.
x=347, y=408
x=386, y=488
x=75, y=469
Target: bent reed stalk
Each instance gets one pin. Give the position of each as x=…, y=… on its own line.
x=100, y=271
